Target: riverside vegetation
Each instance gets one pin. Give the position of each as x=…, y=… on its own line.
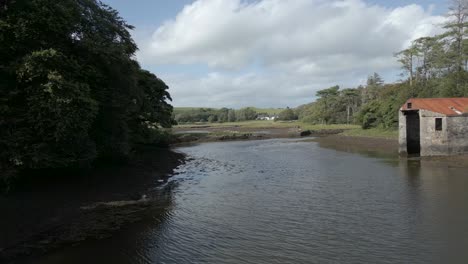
x=433, y=66
x=71, y=91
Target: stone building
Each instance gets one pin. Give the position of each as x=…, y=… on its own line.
x=434, y=127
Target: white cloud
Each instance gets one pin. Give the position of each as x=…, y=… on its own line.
x=300, y=45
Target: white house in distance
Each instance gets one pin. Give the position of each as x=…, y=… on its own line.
x=433, y=127
x=266, y=117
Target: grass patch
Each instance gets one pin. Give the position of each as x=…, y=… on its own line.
x=247, y=124
x=373, y=132
x=350, y=130
x=267, y=124
x=306, y=126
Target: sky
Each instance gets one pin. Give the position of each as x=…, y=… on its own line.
x=273, y=53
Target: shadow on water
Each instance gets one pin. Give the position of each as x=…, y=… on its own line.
x=131, y=244
x=49, y=211
x=374, y=148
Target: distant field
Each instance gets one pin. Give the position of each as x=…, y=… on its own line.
x=373, y=132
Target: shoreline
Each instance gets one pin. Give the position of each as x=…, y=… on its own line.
x=337, y=139
x=51, y=213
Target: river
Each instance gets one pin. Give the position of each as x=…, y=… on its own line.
x=291, y=201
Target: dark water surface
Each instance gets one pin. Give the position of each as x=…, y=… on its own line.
x=288, y=201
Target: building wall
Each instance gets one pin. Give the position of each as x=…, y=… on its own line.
x=458, y=135
x=402, y=134
x=452, y=140
x=433, y=142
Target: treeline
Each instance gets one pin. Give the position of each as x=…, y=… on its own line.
x=70, y=88
x=192, y=115
x=212, y=115
x=373, y=105
x=434, y=66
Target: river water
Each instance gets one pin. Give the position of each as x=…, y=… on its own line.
x=291, y=201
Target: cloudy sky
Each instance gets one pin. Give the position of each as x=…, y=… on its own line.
x=273, y=53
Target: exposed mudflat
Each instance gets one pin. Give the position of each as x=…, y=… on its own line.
x=234, y=133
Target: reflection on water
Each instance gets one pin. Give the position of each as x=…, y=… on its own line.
x=288, y=201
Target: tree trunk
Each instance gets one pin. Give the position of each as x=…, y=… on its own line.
x=348, y=108
x=411, y=70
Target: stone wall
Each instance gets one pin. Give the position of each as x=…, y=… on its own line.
x=451, y=140
x=402, y=134
x=433, y=142
x=458, y=135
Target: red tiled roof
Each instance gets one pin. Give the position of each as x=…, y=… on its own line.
x=446, y=106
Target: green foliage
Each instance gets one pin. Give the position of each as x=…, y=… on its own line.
x=268, y=111
x=191, y=115
x=211, y=115
x=433, y=66
x=245, y=114
x=57, y=109
x=331, y=107
x=368, y=116
x=70, y=89
x=287, y=115
x=232, y=115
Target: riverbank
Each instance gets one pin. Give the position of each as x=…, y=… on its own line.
x=347, y=138
x=51, y=210
x=252, y=130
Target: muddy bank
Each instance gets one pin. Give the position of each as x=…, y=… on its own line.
x=369, y=145
x=52, y=210
x=233, y=133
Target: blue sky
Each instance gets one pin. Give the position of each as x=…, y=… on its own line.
x=147, y=12
x=440, y=5
x=272, y=53
x=154, y=12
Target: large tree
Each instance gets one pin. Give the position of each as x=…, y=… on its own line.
x=70, y=89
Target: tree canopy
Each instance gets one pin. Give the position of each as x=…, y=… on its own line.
x=70, y=88
x=287, y=114
x=192, y=114
x=432, y=66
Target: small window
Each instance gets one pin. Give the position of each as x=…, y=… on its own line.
x=409, y=105
x=438, y=124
